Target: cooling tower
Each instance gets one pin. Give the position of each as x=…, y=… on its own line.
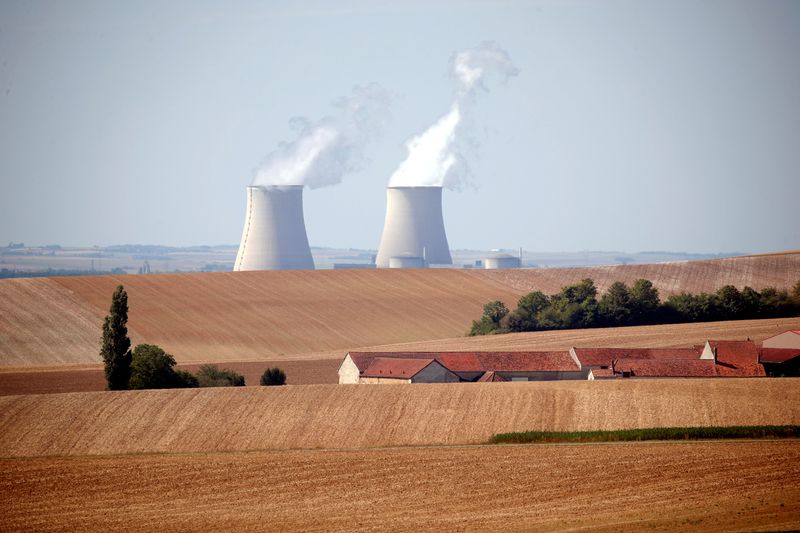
x=274, y=235
x=414, y=225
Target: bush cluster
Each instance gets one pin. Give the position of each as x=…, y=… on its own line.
x=577, y=306
x=211, y=376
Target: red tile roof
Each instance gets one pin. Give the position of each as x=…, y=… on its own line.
x=481, y=361
x=604, y=356
x=737, y=358
x=778, y=355
x=492, y=376
x=395, y=367
x=602, y=373
x=666, y=368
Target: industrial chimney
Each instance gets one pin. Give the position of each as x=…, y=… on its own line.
x=414, y=226
x=274, y=235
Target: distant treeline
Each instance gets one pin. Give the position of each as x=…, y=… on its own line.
x=577, y=306
x=6, y=273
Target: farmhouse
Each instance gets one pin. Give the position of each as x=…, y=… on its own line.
x=710, y=360
x=396, y=370
x=713, y=359
x=442, y=367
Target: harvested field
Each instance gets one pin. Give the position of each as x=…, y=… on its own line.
x=779, y=270
x=706, y=486
x=87, y=378
x=254, y=316
x=241, y=316
x=667, y=336
x=358, y=416
x=41, y=321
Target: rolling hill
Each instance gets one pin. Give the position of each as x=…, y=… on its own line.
x=357, y=416
x=255, y=316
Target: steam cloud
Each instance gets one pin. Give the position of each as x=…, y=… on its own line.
x=433, y=157
x=326, y=149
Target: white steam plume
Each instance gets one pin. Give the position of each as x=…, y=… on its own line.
x=326, y=149
x=434, y=159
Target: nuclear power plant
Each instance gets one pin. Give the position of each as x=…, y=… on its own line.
x=414, y=228
x=274, y=235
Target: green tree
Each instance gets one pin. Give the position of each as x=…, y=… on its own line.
x=796, y=294
x=273, y=376
x=523, y=318
x=751, y=303
x=115, y=348
x=645, y=302
x=730, y=303
x=615, y=305
x=211, y=376
x=574, y=307
x=775, y=303
x=153, y=368
x=493, y=313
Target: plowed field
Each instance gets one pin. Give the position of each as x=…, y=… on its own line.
x=668, y=336
x=253, y=316
x=84, y=378
x=357, y=416
x=706, y=486
x=780, y=270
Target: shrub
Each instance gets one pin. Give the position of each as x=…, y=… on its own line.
x=273, y=376
x=211, y=376
x=153, y=368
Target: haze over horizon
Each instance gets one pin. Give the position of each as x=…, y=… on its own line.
x=630, y=126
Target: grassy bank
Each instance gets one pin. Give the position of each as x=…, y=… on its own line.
x=690, y=433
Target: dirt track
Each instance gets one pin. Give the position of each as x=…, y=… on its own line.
x=713, y=486
x=359, y=416
x=253, y=316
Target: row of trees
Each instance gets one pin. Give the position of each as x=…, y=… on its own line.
x=149, y=367
x=577, y=306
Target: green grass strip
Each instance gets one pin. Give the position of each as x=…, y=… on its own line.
x=692, y=433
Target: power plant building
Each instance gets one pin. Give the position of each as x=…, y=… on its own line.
x=274, y=235
x=414, y=227
x=407, y=261
x=502, y=261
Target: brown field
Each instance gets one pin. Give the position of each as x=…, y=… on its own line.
x=85, y=378
x=255, y=316
x=668, y=336
x=703, y=486
x=780, y=270
x=359, y=416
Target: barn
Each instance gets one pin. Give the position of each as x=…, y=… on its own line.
x=372, y=367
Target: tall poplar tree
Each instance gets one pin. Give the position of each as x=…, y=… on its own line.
x=116, y=347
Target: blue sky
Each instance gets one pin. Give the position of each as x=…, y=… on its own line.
x=631, y=125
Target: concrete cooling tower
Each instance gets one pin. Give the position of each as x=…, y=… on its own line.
x=274, y=235
x=414, y=226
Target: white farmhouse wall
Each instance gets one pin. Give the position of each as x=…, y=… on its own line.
x=348, y=372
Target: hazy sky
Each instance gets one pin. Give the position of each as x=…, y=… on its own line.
x=630, y=126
